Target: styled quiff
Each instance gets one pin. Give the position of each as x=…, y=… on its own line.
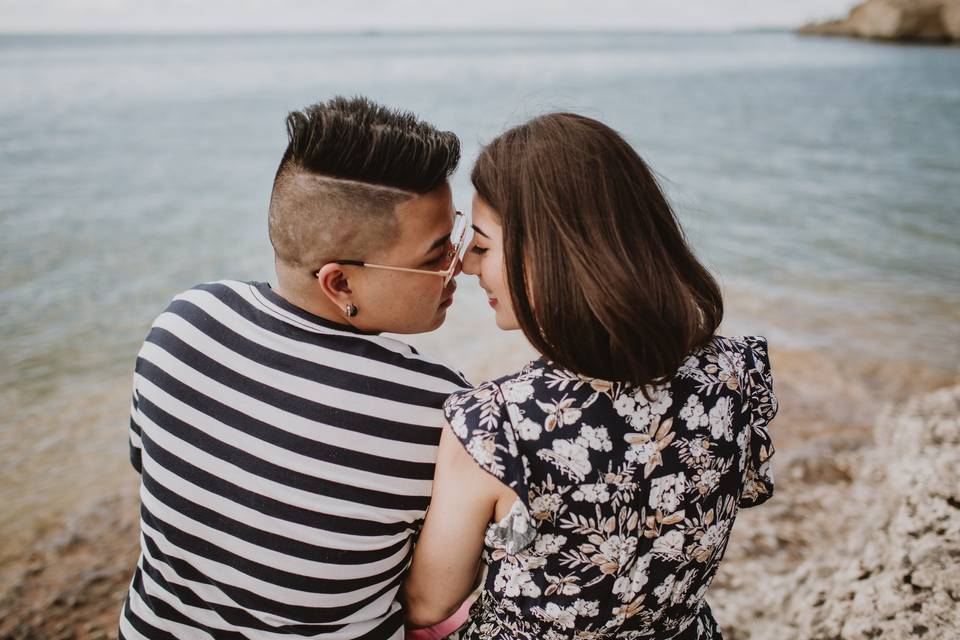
x=348, y=164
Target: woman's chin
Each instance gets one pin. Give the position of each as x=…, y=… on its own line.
x=506, y=324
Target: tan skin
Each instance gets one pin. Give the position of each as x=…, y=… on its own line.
x=465, y=497
x=387, y=301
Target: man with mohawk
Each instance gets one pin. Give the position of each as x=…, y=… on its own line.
x=286, y=449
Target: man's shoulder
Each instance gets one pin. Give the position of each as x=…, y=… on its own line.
x=203, y=307
x=217, y=290
x=225, y=302
x=408, y=357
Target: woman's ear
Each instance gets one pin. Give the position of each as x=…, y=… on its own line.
x=333, y=282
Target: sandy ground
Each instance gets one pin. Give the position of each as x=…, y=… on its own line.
x=791, y=564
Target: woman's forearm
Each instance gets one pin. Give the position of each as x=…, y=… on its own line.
x=447, y=555
x=427, y=605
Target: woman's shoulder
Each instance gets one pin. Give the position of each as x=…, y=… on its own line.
x=482, y=418
x=734, y=361
x=502, y=389
x=729, y=373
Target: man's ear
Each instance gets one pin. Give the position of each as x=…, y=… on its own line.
x=333, y=282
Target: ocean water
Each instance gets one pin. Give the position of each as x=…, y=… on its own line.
x=818, y=178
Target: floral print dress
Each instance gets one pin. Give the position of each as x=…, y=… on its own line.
x=626, y=495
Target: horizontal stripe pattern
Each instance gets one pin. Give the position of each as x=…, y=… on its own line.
x=285, y=464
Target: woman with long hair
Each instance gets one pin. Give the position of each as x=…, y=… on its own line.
x=598, y=485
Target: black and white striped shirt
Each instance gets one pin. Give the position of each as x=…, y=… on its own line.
x=286, y=464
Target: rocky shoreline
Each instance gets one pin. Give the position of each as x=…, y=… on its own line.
x=861, y=540
x=926, y=21
x=866, y=545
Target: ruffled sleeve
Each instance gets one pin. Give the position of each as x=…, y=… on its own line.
x=481, y=420
x=762, y=407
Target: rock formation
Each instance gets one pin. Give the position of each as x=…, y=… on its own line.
x=882, y=556
x=905, y=20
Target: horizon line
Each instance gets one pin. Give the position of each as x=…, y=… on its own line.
x=374, y=31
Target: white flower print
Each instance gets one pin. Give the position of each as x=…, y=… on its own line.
x=459, y=424
x=618, y=549
x=714, y=535
x=591, y=493
x=639, y=573
x=681, y=586
x=624, y=405
x=551, y=634
x=669, y=545
x=642, y=453
x=666, y=492
x=554, y=613
x=721, y=419
x=586, y=608
x=512, y=581
x=661, y=400
x=663, y=591
x=621, y=587
x=569, y=457
x=640, y=419
x=482, y=450
x=692, y=413
x=548, y=544
x=727, y=368
x=743, y=441
x=515, y=413
x=546, y=504
x=517, y=391
x=707, y=481
x=698, y=450
x=690, y=365
x=527, y=429
x=595, y=438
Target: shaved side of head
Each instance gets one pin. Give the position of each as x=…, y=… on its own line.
x=315, y=219
x=348, y=165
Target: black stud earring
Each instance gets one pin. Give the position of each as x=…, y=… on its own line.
x=351, y=310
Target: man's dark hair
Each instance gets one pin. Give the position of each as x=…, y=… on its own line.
x=348, y=164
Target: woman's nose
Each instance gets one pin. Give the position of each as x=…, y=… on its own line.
x=469, y=263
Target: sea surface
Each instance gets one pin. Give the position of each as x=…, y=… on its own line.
x=818, y=178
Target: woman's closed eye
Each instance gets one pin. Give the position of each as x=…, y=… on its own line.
x=478, y=250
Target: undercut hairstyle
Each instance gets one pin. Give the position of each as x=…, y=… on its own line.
x=348, y=164
x=601, y=277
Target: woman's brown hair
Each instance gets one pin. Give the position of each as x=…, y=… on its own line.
x=601, y=277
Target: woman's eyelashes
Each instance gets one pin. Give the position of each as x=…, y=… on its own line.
x=478, y=250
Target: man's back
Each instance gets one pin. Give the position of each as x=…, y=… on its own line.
x=286, y=462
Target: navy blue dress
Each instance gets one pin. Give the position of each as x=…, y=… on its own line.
x=627, y=495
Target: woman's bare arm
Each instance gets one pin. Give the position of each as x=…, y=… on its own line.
x=445, y=562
